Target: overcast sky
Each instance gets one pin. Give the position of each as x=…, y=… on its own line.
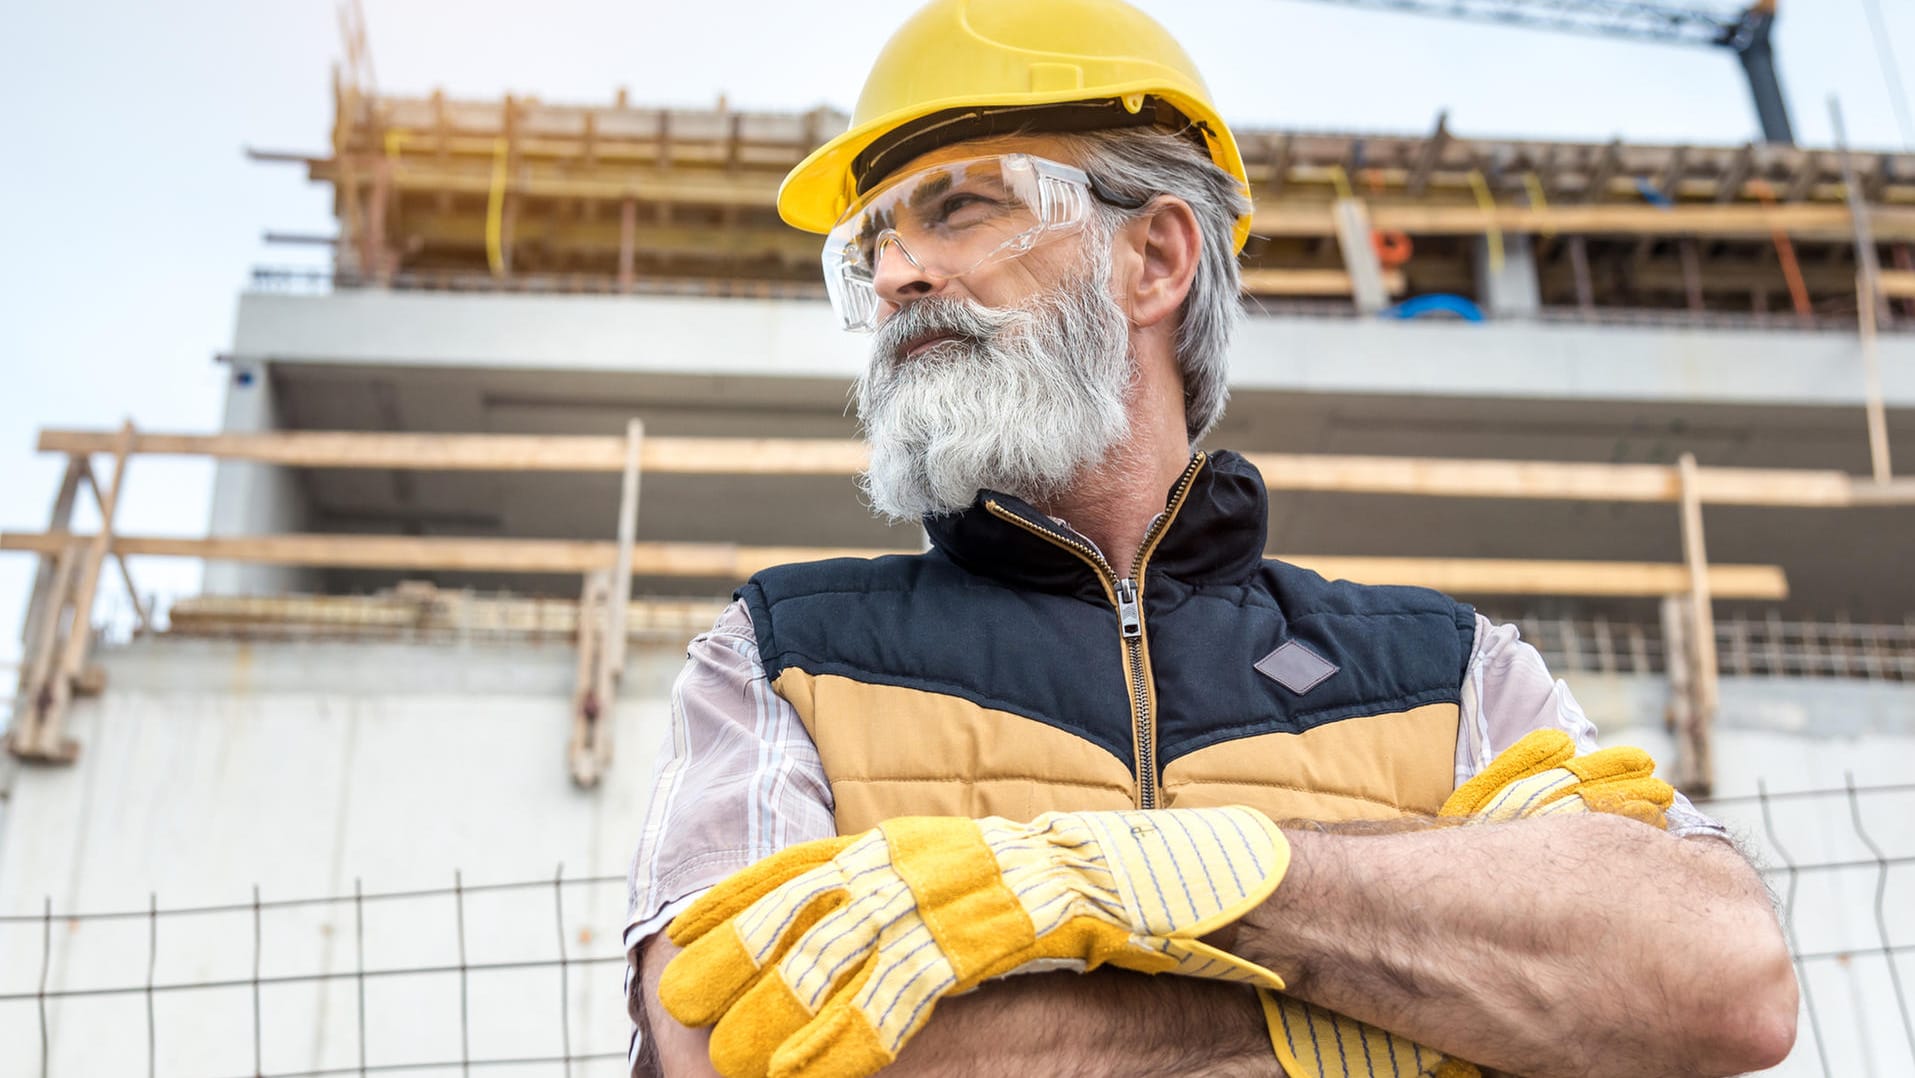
x=133, y=218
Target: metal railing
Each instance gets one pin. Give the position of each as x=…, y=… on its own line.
x=1769, y=646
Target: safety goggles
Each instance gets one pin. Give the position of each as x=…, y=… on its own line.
x=948, y=220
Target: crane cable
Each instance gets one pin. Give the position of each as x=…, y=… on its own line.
x=1891, y=71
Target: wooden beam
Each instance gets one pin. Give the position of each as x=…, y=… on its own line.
x=1504, y=576
x=490, y=452
x=1313, y=282
x=1817, y=222
x=721, y=561
x=1422, y=476
x=729, y=562
x=1896, y=284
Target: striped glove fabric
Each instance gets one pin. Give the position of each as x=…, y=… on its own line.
x=1311, y=1042
x=1541, y=774
x=823, y=960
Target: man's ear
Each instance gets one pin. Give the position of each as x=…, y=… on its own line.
x=1168, y=243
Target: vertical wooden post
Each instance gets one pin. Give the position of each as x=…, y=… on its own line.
x=1585, y=286
x=377, y=254
x=1676, y=663
x=592, y=728
x=37, y=665
x=1694, y=764
x=587, y=705
x=1359, y=255
x=1866, y=303
x=627, y=240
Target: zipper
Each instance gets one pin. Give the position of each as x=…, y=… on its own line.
x=1125, y=595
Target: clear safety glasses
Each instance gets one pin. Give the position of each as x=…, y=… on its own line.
x=948, y=220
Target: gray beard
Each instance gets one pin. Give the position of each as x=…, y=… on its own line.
x=1022, y=401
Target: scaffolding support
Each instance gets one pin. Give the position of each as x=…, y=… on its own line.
x=60, y=659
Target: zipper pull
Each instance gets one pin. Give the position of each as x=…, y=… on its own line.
x=1128, y=617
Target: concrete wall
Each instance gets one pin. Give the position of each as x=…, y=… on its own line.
x=797, y=338
x=210, y=767
x=254, y=499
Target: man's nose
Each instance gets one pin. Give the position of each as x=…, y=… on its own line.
x=897, y=278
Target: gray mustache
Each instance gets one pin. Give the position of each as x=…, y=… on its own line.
x=935, y=315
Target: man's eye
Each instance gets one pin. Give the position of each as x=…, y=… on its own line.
x=964, y=207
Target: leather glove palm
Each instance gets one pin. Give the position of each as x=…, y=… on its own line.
x=826, y=958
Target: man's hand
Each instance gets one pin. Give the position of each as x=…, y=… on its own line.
x=825, y=959
x=1541, y=775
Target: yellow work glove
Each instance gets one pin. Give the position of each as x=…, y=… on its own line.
x=823, y=960
x=1541, y=775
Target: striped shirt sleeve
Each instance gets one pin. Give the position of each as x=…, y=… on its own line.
x=1508, y=691
x=738, y=781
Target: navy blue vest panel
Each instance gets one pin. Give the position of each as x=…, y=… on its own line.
x=1010, y=621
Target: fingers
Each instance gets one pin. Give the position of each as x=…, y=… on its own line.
x=1621, y=762
x=707, y=978
x=1538, y=751
x=845, y=1040
x=749, y=1034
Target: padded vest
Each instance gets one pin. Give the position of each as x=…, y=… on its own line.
x=1007, y=672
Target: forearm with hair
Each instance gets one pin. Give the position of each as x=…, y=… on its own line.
x=1105, y=1024
x=1574, y=945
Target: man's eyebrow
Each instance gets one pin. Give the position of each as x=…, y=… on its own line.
x=930, y=189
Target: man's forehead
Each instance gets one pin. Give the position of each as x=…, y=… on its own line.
x=1053, y=147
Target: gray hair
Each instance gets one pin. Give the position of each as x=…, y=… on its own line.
x=1139, y=164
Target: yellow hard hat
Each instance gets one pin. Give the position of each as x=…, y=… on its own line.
x=968, y=68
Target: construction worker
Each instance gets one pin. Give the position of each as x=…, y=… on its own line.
x=1200, y=756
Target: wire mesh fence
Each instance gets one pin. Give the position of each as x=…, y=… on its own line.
x=498, y=977
x=1766, y=646
x=493, y=977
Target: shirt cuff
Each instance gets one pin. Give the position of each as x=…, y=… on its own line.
x=639, y=931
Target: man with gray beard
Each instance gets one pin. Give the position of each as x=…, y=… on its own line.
x=1037, y=211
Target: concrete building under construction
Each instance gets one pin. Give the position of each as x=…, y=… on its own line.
x=569, y=380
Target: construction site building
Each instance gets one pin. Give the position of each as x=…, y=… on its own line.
x=366, y=803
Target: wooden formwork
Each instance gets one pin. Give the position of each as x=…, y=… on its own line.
x=58, y=629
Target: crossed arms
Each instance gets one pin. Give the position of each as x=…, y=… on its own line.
x=1571, y=945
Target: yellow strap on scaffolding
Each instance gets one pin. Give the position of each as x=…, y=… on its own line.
x=1534, y=186
x=1341, y=181
x=396, y=139
x=495, y=210
x=1488, y=203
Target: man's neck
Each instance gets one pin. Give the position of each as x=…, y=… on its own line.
x=1114, y=503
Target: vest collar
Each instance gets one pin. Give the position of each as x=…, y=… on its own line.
x=1215, y=537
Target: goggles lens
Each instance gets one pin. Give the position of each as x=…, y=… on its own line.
x=948, y=220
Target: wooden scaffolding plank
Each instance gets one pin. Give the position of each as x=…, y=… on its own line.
x=1820, y=222
x=1424, y=476
x=724, y=561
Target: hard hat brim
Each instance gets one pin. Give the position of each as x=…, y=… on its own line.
x=816, y=193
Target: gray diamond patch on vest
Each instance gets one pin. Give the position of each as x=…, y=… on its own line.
x=1296, y=667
